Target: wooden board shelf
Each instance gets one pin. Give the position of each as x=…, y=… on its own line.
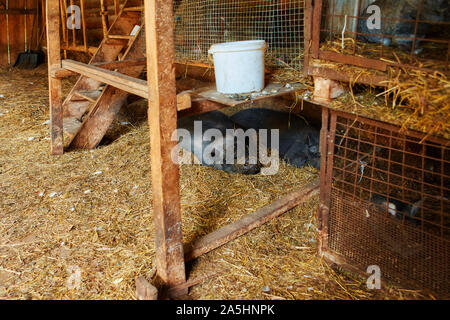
x=270, y=91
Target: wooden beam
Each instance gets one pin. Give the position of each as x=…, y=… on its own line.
x=200, y=106
x=316, y=24
x=121, y=64
x=61, y=73
x=54, y=84
x=102, y=114
x=118, y=80
x=353, y=60
x=123, y=82
x=184, y=100
x=328, y=73
x=18, y=11
x=250, y=222
x=90, y=50
x=162, y=117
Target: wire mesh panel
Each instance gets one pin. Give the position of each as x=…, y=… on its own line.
x=202, y=23
x=389, y=202
x=413, y=33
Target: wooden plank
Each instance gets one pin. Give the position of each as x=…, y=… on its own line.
x=90, y=50
x=118, y=80
x=270, y=91
x=308, y=35
x=3, y=40
x=184, y=100
x=162, y=117
x=250, y=222
x=103, y=113
x=199, y=106
x=144, y=290
x=17, y=11
x=16, y=28
x=353, y=60
x=328, y=73
x=316, y=25
x=54, y=61
x=121, y=64
x=31, y=28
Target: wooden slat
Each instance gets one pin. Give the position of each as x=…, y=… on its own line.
x=3, y=41
x=118, y=36
x=16, y=26
x=102, y=114
x=32, y=26
x=271, y=90
x=90, y=50
x=328, y=73
x=121, y=64
x=308, y=35
x=162, y=117
x=134, y=9
x=249, y=222
x=85, y=96
x=63, y=73
x=115, y=79
x=316, y=24
x=353, y=60
x=54, y=61
x=17, y=11
x=118, y=80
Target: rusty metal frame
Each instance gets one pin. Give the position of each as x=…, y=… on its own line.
x=330, y=174
x=315, y=14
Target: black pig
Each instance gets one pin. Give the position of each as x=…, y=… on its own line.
x=197, y=144
x=299, y=142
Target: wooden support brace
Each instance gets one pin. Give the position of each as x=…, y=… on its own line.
x=77, y=48
x=54, y=84
x=162, y=117
x=249, y=222
x=63, y=73
x=123, y=82
x=145, y=290
x=115, y=79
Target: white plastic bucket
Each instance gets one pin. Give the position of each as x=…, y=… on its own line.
x=239, y=66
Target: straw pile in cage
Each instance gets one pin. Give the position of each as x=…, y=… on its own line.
x=87, y=215
x=417, y=98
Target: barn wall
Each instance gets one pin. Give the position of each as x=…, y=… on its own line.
x=16, y=25
x=16, y=28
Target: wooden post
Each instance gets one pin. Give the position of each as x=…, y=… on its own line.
x=162, y=115
x=104, y=14
x=83, y=21
x=54, y=84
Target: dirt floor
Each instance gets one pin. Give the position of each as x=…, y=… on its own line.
x=79, y=226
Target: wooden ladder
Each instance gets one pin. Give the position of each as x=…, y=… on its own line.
x=92, y=104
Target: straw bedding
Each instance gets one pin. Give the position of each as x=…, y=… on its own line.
x=413, y=98
x=89, y=213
